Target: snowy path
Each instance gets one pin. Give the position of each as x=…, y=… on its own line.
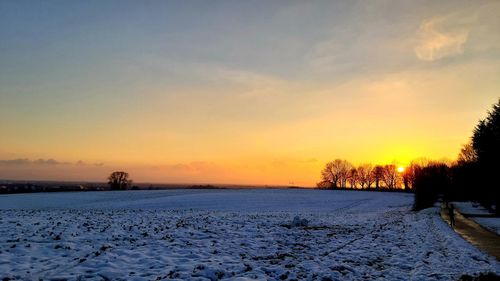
x=480, y=215
x=351, y=236
x=478, y=236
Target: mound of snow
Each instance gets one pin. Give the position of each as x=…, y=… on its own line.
x=298, y=222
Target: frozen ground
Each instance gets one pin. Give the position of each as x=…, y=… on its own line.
x=469, y=208
x=492, y=224
x=229, y=234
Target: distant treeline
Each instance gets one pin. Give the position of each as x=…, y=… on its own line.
x=7, y=187
x=19, y=187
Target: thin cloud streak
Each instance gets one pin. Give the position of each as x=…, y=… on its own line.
x=41, y=161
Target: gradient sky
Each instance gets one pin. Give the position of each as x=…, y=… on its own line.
x=248, y=92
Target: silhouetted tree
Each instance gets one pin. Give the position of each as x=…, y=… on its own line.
x=430, y=181
x=464, y=177
x=409, y=175
x=467, y=154
x=365, y=175
x=344, y=172
x=119, y=180
x=329, y=175
x=377, y=175
x=353, y=177
x=486, y=144
x=390, y=176
x=336, y=173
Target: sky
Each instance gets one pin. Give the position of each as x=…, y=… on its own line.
x=239, y=92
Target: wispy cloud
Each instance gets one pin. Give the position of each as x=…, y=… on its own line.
x=241, y=81
x=41, y=161
x=19, y=161
x=434, y=42
x=83, y=163
x=49, y=161
x=191, y=167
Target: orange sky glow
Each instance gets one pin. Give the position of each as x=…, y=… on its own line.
x=150, y=93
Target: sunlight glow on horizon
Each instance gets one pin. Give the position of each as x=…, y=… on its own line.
x=239, y=92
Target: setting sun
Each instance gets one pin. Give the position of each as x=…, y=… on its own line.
x=401, y=169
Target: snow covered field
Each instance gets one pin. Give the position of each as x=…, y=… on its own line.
x=229, y=234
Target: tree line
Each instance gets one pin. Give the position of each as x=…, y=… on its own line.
x=341, y=174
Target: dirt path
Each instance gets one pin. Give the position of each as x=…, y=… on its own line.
x=485, y=240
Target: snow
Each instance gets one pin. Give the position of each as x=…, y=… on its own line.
x=492, y=224
x=229, y=234
x=473, y=209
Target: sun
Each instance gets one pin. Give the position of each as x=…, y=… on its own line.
x=401, y=169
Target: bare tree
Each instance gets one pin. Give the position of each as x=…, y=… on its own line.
x=119, y=180
x=421, y=162
x=336, y=173
x=365, y=177
x=409, y=175
x=329, y=175
x=467, y=154
x=353, y=177
x=377, y=175
x=390, y=176
x=344, y=172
